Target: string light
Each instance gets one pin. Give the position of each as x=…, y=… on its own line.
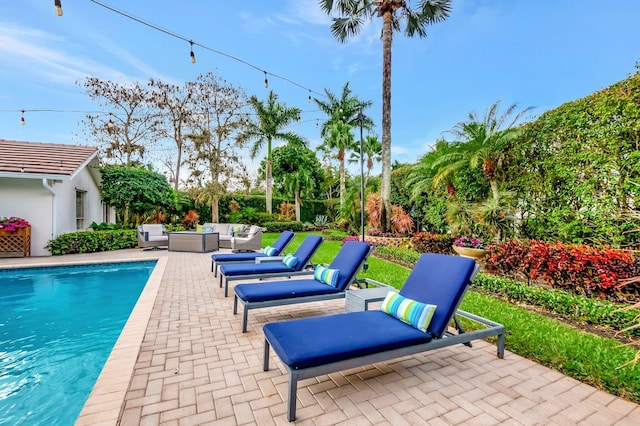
x=57, y=6
x=309, y=95
x=266, y=82
x=22, y=122
x=193, y=55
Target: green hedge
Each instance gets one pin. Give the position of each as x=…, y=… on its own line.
x=284, y=226
x=92, y=241
x=575, y=307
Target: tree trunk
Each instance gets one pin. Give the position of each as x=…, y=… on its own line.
x=269, y=178
x=342, y=178
x=494, y=189
x=385, y=187
x=298, y=204
x=215, y=212
x=268, y=191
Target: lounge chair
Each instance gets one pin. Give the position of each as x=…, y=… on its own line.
x=348, y=262
x=278, y=245
x=312, y=347
x=250, y=240
x=152, y=237
x=271, y=266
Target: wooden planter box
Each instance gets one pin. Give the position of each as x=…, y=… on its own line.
x=17, y=243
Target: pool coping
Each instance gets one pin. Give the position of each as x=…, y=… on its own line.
x=104, y=404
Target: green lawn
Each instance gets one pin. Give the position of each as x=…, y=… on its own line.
x=584, y=356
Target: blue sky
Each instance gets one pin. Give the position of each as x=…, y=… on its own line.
x=533, y=53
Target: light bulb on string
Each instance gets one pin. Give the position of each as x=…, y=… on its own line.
x=316, y=123
x=193, y=55
x=266, y=82
x=22, y=122
x=309, y=96
x=57, y=6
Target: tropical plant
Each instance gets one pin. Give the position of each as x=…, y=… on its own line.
x=350, y=20
x=481, y=142
x=336, y=130
x=297, y=172
x=272, y=118
x=371, y=153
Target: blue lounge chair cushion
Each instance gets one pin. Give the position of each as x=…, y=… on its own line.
x=416, y=314
x=234, y=269
x=270, y=251
x=290, y=260
x=207, y=228
x=277, y=290
x=348, y=261
x=430, y=282
x=317, y=341
x=326, y=275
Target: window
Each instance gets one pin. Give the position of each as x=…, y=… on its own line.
x=80, y=208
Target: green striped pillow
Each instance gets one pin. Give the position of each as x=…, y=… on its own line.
x=416, y=314
x=290, y=260
x=269, y=251
x=326, y=275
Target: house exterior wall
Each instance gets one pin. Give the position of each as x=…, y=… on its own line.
x=31, y=200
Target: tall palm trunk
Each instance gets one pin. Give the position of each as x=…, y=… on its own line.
x=385, y=187
x=269, y=178
x=298, y=204
x=343, y=189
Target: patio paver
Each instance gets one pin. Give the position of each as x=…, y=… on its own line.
x=195, y=367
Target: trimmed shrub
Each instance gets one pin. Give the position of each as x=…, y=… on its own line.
x=92, y=241
x=425, y=242
x=284, y=226
x=576, y=268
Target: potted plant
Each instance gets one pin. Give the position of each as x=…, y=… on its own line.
x=15, y=236
x=471, y=247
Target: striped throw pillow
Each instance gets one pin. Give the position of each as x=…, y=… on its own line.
x=270, y=251
x=326, y=275
x=290, y=260
x=416, y=314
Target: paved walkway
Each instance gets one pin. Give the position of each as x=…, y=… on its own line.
x=195, y=367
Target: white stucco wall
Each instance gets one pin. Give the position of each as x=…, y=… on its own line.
x=31, y=200
x=28, y=199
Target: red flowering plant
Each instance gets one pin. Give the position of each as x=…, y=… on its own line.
x=13, y=223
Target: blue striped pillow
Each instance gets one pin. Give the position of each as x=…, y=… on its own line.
x=290, y=260
x=270, y=251
x=326, y=275
x=416, y=314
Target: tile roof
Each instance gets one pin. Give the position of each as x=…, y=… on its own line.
x=43, y=158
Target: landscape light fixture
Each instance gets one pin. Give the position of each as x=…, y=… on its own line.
x=359, y=117
x=57, y=5
x=22, y=122
x=193, y=55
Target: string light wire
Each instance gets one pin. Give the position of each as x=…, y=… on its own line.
x=195, y=43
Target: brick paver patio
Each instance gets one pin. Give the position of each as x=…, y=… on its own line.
x=182, y=360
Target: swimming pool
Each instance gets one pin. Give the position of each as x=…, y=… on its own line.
x=57, y=328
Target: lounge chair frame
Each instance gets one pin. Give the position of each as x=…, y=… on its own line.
x=295, y=300
x=306, y=270
x=216, y=264
x=447, y=339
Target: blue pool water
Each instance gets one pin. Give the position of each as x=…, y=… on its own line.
x=57, y=328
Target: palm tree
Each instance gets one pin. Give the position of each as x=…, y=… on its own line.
x=337, y=129
x=339, y=137
x=372, y=153
x=352, y=14
x=482, y=142
x=272, y=118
